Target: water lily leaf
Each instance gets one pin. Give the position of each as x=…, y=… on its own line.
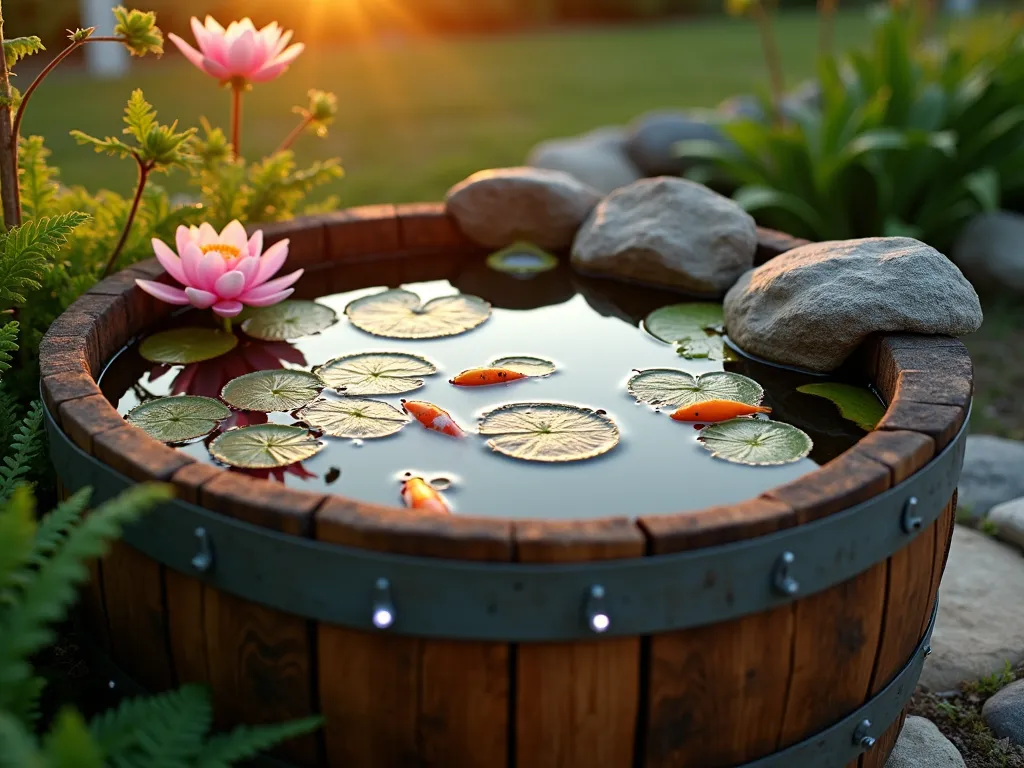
x=756, y=441
x=669, y=388
x=549, y=432
x=857, y=404
x=280, y=390
x=522, y=260
x=399, y=314
x=376, y=373
x=682, y=322
x=289, y=320
x=355, y=417
x=182, y=346
x=528, y=366
x=265, y=446
x=178, y=419
x=708, y=348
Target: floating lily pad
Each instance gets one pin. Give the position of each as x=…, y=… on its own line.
x=265, y=446
x=711, y=347
x=187, y=345
x=399, y=314
x=178, y=419
x=755, y=441
x=670, y=388
x=354, y=417
x=857, y=404
x=376, y=373
x=679, y=322
x=522, y=260
x=549, y=432
x=528, y=366
x=267, y=391
x=289, y=320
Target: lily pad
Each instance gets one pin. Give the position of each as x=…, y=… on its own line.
x=756, y=442
x=267, y=391
x=182, y=346
x=670, y=388
x=711, y=347
x=522, y=260
x=399, y=314
x=376, y=373
x=679, y=322
x=354, y=417
x=289, y=320
x=265, y=446
x=178, y=419
x=549, y=432
x=857, y=404
x=528, y=366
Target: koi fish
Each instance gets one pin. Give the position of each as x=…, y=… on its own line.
x=483, y=377
x=717, y=410
x=417, y=493
x=432, y=417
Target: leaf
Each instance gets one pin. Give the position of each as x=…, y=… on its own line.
x=522, y=259
x=138, y=31
x=756, y=441
x=681, y=322
x=265, y=446
x=17, y=48
x=711, y=347
x=549, y=432
x=267, y=391
x=398, y=314
x=857, y=404
x=178, y=419
x=526, y=365
x=28, y=250
x=355, y=417
x=671, y=388
x=376, y=373
x=289, y=320
x=182, y=346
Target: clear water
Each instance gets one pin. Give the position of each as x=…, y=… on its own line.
x=590, y=328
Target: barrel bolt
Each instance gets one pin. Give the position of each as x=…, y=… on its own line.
x=383, y=607
x=862, y=737
x=203, y=559
x=911, y=521
x=596, y=610
x=783, y=582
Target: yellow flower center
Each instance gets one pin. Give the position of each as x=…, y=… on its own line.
x=226, y=250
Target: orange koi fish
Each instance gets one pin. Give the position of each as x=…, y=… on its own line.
x=483, y=377
x=432, y=417
x=417, y=493
x=717, y=410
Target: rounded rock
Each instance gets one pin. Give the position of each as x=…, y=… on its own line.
x=1004, y=713
x=922, y=745
x=991, y=474
x=653, y=136
x=598, y=159
x=989, y=253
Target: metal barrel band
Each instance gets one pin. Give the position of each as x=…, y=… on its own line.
x=516, y=602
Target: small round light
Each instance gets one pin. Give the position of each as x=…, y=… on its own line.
x=599, y=622
x=382, y=618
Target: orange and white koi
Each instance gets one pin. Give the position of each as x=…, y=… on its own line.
x=484, y=377
x=717, y=410
x=432, y=417
x=417, y=493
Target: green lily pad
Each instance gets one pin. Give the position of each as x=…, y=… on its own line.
x=399, y=314
x=670, y=388
x=178, y=419
x=522, y=260
x=265, y=446
x=354, y=417
x=857, y=404
x=679, y=322
x=756, y=442
x=289, y=320
x=376, y=373
x=549, y=432
x=528, y=366
x=267, y=391
x=182, y=346
x=711, y=347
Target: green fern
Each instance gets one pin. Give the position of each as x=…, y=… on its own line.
x=19, y=748
x=69, y=743
x=18, y=48
x=37, y=180
x=10, y=415
x=248, y=741
x=26, y=445
x=17, y=529
x=26, y=253
x=8, y=345
x=138, y=31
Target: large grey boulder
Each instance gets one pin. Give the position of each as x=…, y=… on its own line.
x=1008, y=519
x=922, y=745
x=812, y=306
x=497, y=207
x=598, y=159
x=653, y=136
x=990, y=252
x=1004, y=713
x=993, y=473
x=668, y=231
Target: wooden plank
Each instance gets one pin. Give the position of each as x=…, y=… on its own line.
x=359, y=232
x=877, y=756
x=59, y=388
x=306, y=239
x=577, y=703
x=100, y=320
x=940, y=422
x=84, y=418
x=919, y=370
x=428, y=225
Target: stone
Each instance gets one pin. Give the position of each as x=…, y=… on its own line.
x=498, y=207
x=980, y=627
x=598, y=159
x=1004, y=713
x=653, y=136
x=668, y=231
x=743, y=106
x=1008, y=518
x=988, y=252
x=922, y=745
x=993, y=473
x=812, y=306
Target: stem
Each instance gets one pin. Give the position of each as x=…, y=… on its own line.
x=10, y=194
x=226, y=322
x=143, y=175
x=236, y=117
x=771, y=55
x=826, y=13
x=296, y=131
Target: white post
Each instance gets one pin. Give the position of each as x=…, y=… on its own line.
x=102, y=59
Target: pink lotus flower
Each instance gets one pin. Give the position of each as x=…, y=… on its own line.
x=224, y=271
x=240, y=52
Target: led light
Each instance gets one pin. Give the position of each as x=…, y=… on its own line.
x=383, y=608
x=595, y=610
x=599, y=622
x=382, y=618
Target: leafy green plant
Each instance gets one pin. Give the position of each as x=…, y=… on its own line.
x=989, y=685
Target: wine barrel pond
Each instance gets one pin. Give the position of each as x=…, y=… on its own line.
x=478, y=508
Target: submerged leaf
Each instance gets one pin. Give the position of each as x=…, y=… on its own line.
x=670, y=388
x=857, y=404
x=549, y=432
x=265, y=446
x=289, y=320
x=354, y=417
x=398, y=314
x=177, y=419
x=182, y=346
x=756, y=441
x=528, y=366
x=681, y=322
x=376, y=373
x=711, y=347
x=279, y=390
x=522, y=260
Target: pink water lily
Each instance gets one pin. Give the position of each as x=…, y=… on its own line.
x=240, y=52
x=223, y=271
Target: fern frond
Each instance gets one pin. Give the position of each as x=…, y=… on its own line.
x=10, y=415
x=19, y=745
x=248, y=741
x=26, y=444
x=27, y=251
x=54, y=528
x=17, y=530
x=18, y=48
x=109, y=144
x=139, y=116
x=23, y=699
x=69, y=743
x=37, y=180
x=167, y=729
x=8, y=345
x=138, y=31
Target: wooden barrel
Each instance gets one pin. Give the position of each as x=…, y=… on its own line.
x=679, y=691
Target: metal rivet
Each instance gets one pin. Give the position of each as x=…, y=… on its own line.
x=911, y=520
x=862, y=737
x=927, y=651
x=111, y=684
x=596, y=611
x=203, y=561
x=383, y=607
x=783, y=582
